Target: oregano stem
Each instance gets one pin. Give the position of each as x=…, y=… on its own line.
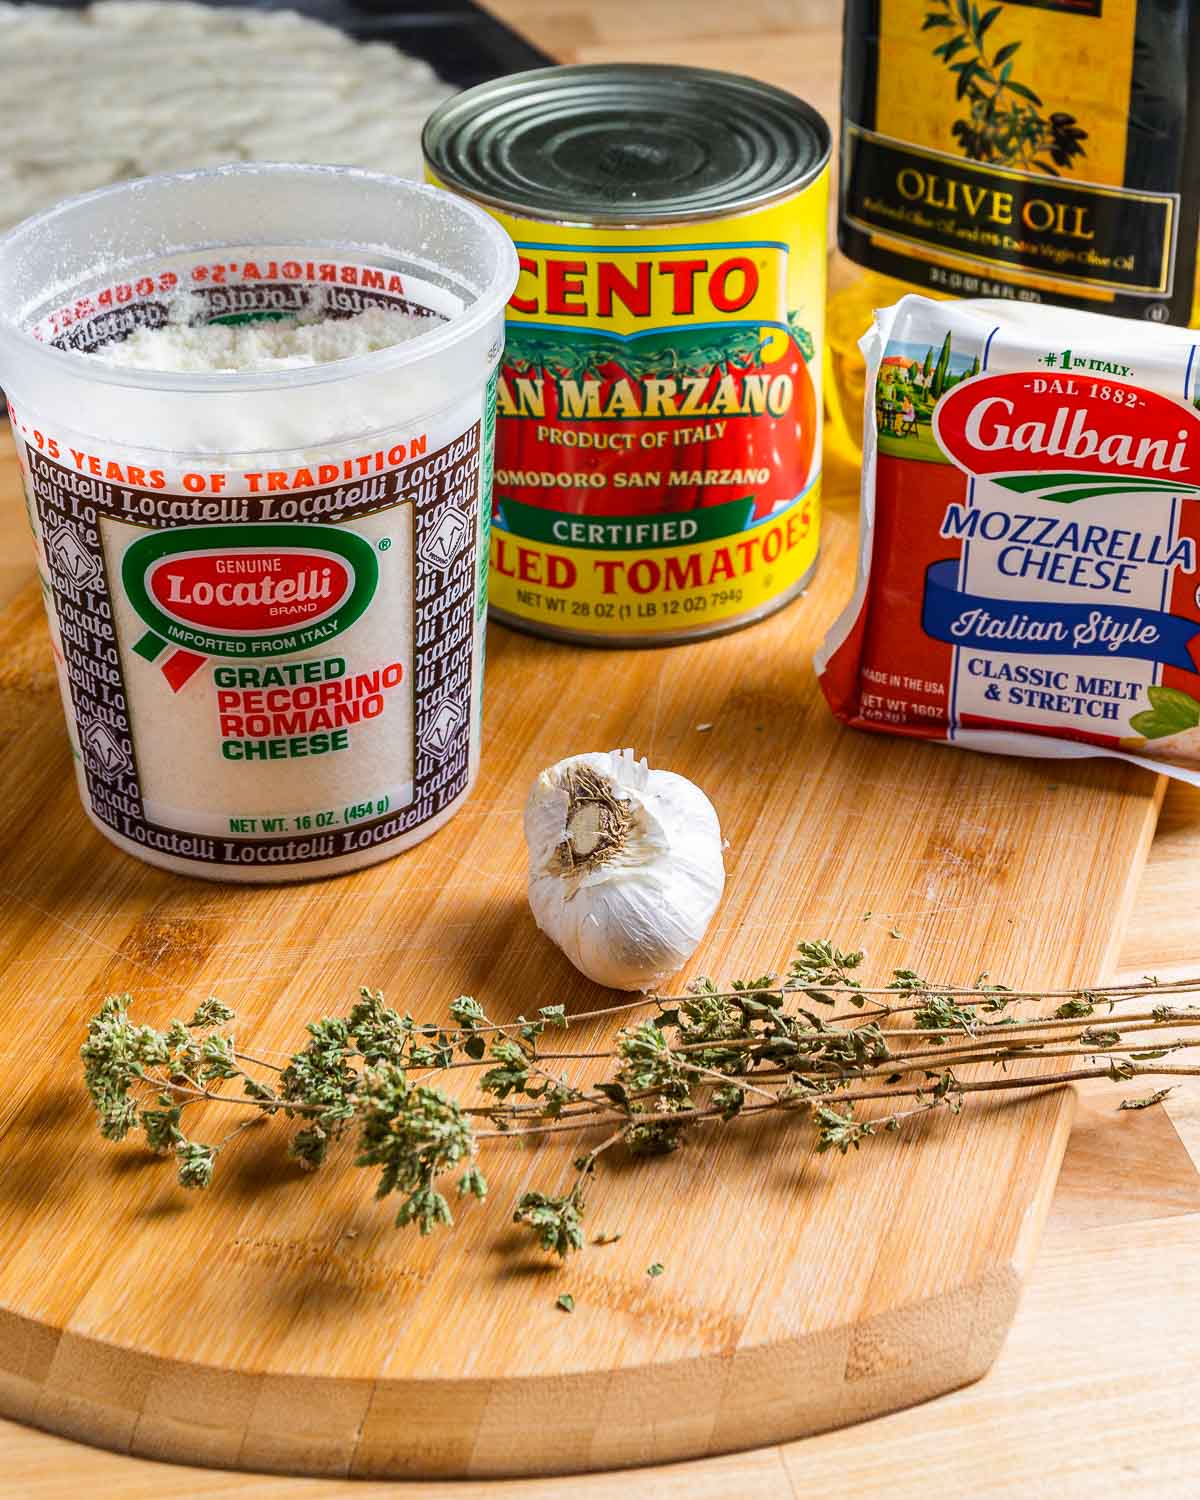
x=706, y=1057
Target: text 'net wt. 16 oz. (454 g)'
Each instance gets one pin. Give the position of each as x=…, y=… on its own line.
x=1028, y=580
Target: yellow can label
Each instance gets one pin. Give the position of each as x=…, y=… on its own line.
x=659, y=422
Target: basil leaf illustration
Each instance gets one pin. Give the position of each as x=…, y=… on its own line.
x=1170, y=712
x=1146, y=725
x=1170, y=701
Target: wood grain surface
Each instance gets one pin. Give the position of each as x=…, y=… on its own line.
x=281, y=1323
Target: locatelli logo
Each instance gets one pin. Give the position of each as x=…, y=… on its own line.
x=1070, y=437
x=245, y=591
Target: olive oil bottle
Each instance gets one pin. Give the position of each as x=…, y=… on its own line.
x=1040, y=150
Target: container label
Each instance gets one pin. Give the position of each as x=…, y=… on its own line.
x=246, y=691
x=1039, y=146
x=658, y=435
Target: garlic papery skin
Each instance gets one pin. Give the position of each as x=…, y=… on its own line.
x=626, y=866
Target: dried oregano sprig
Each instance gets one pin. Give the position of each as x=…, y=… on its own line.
x=812, y=1045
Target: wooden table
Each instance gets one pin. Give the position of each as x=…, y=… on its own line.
x=1094, y=1391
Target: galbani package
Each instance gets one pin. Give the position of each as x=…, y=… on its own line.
x=1027, y=576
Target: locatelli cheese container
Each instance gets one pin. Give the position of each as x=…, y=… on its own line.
x=658, y=442
x=266, y=589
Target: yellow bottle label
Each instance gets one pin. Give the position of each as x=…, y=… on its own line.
x=1036, y=149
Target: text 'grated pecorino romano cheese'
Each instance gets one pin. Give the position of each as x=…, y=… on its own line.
x=1028, y=577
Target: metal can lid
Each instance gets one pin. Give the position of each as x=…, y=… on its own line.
x=626, y=143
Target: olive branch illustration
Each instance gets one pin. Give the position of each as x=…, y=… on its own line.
x=1005, y=123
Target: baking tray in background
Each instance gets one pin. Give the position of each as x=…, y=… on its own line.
x=462, y=43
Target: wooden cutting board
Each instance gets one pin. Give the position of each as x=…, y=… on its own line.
x=280, y=1322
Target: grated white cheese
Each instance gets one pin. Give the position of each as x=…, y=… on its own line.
x=269, y=345
x=125, y=88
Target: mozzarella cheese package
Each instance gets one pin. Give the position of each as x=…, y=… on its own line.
x=1027, y=577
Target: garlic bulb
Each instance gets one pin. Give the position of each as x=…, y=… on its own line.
x=625, y=866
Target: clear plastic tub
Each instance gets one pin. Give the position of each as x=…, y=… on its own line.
x=266, y=590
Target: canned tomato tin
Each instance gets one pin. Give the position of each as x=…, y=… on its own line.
x=658, y=443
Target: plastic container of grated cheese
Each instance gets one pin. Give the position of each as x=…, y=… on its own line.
x=266, y=587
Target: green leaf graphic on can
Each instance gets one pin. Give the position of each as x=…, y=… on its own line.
x=245, y=591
